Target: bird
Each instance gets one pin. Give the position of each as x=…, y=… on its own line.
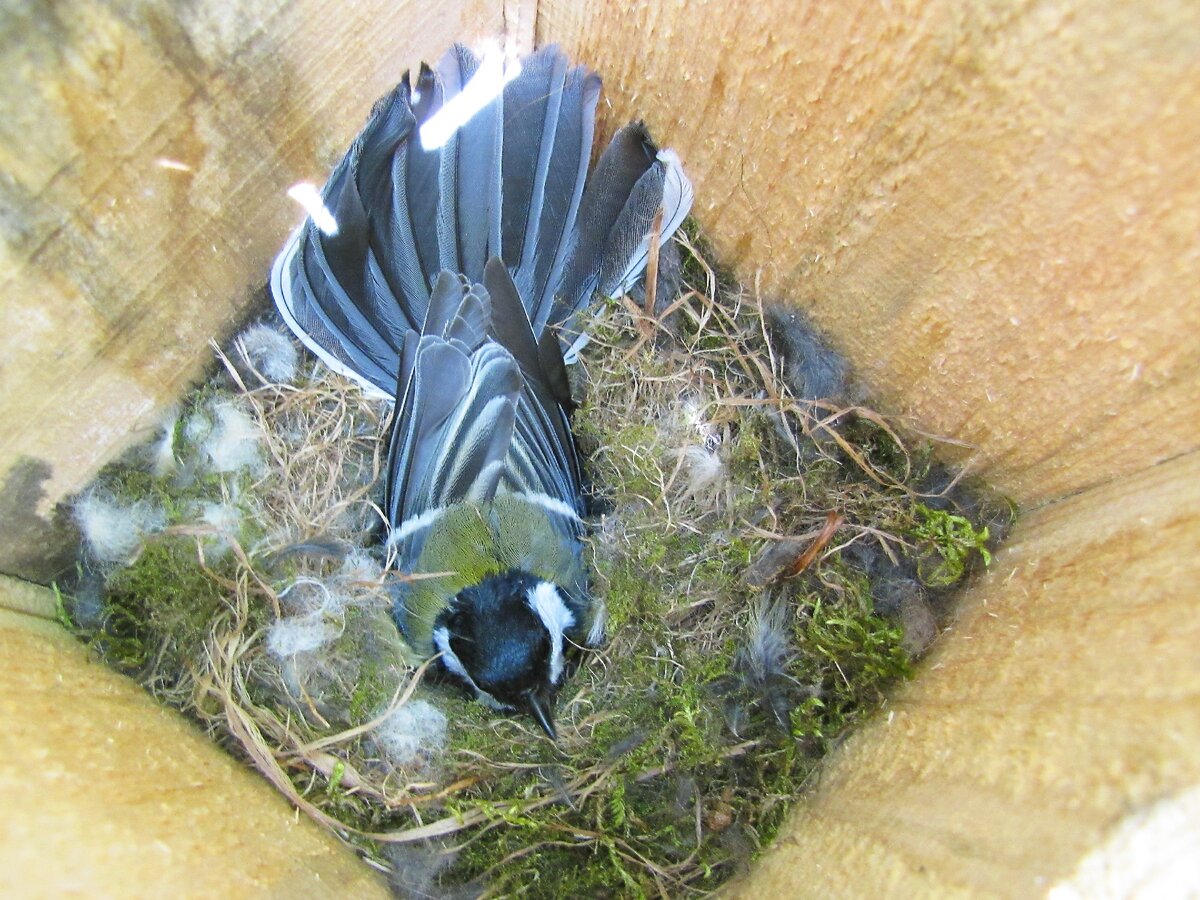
x=445, y=268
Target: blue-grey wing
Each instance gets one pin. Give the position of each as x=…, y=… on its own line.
x=456, y=414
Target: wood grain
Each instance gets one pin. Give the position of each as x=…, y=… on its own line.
x=993, y=208
x=107, y=794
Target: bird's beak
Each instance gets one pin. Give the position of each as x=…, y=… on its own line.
x=540, y=709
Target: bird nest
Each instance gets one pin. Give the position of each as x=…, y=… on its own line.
x=772, y=561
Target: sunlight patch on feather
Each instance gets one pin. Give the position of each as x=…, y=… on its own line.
x=306, y=194
x=485, y=86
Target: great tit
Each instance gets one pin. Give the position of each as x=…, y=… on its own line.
x=456, y=244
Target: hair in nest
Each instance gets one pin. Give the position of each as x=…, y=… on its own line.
x=87, y=597
x=113, y=530
x=416, y=868
x=706, y=475
x=334, y=631
x=266, y=352
x=414, y=734
x=160, y=453
x=811, y=368
x=317, y=608
x=699, y=459
x=224, y=517
x=295, y=635
x=234, y=441
x=762, y=662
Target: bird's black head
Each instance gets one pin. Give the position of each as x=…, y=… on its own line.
x=504, y=638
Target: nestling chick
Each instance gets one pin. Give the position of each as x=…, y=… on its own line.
x=456, y=245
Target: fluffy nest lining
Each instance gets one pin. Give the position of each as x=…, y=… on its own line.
x=773, y=554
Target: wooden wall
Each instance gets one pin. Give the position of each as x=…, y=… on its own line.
x=107, y=794
x=993, y=208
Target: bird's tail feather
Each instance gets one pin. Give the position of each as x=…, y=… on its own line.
x=469, y=163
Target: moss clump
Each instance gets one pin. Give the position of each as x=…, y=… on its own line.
x=948, y=543
x=851, y=658
x=159, y=610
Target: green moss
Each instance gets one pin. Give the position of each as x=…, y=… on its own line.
x=373, y=649
x=879, y=448
x=753, y=439
x=159, y=610
x=849, y=658
x=948, y=543
x=61, y=611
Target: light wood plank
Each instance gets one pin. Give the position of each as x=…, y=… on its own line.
x=993, y=208
x=107, y=794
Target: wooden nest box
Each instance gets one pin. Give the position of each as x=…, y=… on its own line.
x=991, y=209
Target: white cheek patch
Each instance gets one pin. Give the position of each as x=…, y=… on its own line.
x=453, y=665
x=545, y=600
x=441, y=640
